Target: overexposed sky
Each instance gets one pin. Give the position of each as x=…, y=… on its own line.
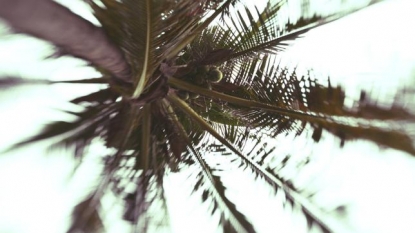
x=372, y=49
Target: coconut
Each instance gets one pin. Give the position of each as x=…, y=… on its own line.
x=215, y=75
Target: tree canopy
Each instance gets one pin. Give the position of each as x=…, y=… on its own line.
x=199, y=77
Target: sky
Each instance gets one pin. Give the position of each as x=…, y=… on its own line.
x=372, y=49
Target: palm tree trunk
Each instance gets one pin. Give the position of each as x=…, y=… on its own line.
x=51, y=21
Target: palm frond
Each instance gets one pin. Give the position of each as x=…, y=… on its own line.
x=126, y=20
x=78, y=133
x=191, y=34
x=145, y=137
x=145, y=205
x=12, y=81
x=248, y=34
x=312, y=213
x=272, y=97
x=100, y=97
x=86, y=223
x=231, y=219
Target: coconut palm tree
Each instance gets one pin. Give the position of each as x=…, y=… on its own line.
x=181, y=85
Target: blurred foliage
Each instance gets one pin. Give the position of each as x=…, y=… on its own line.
x=203, y=88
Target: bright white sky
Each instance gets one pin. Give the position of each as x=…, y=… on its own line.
x=372, y=49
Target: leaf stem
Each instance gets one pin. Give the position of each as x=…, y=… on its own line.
x=145, y=138
x=243, y=102
x=143, y=76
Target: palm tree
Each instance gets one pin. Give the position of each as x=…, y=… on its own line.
x=180, y=86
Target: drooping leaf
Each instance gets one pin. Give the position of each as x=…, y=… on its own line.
x=86, y=218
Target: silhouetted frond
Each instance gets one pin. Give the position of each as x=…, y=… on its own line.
x=82, y=222
x=230, y=219
x=9, y=82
